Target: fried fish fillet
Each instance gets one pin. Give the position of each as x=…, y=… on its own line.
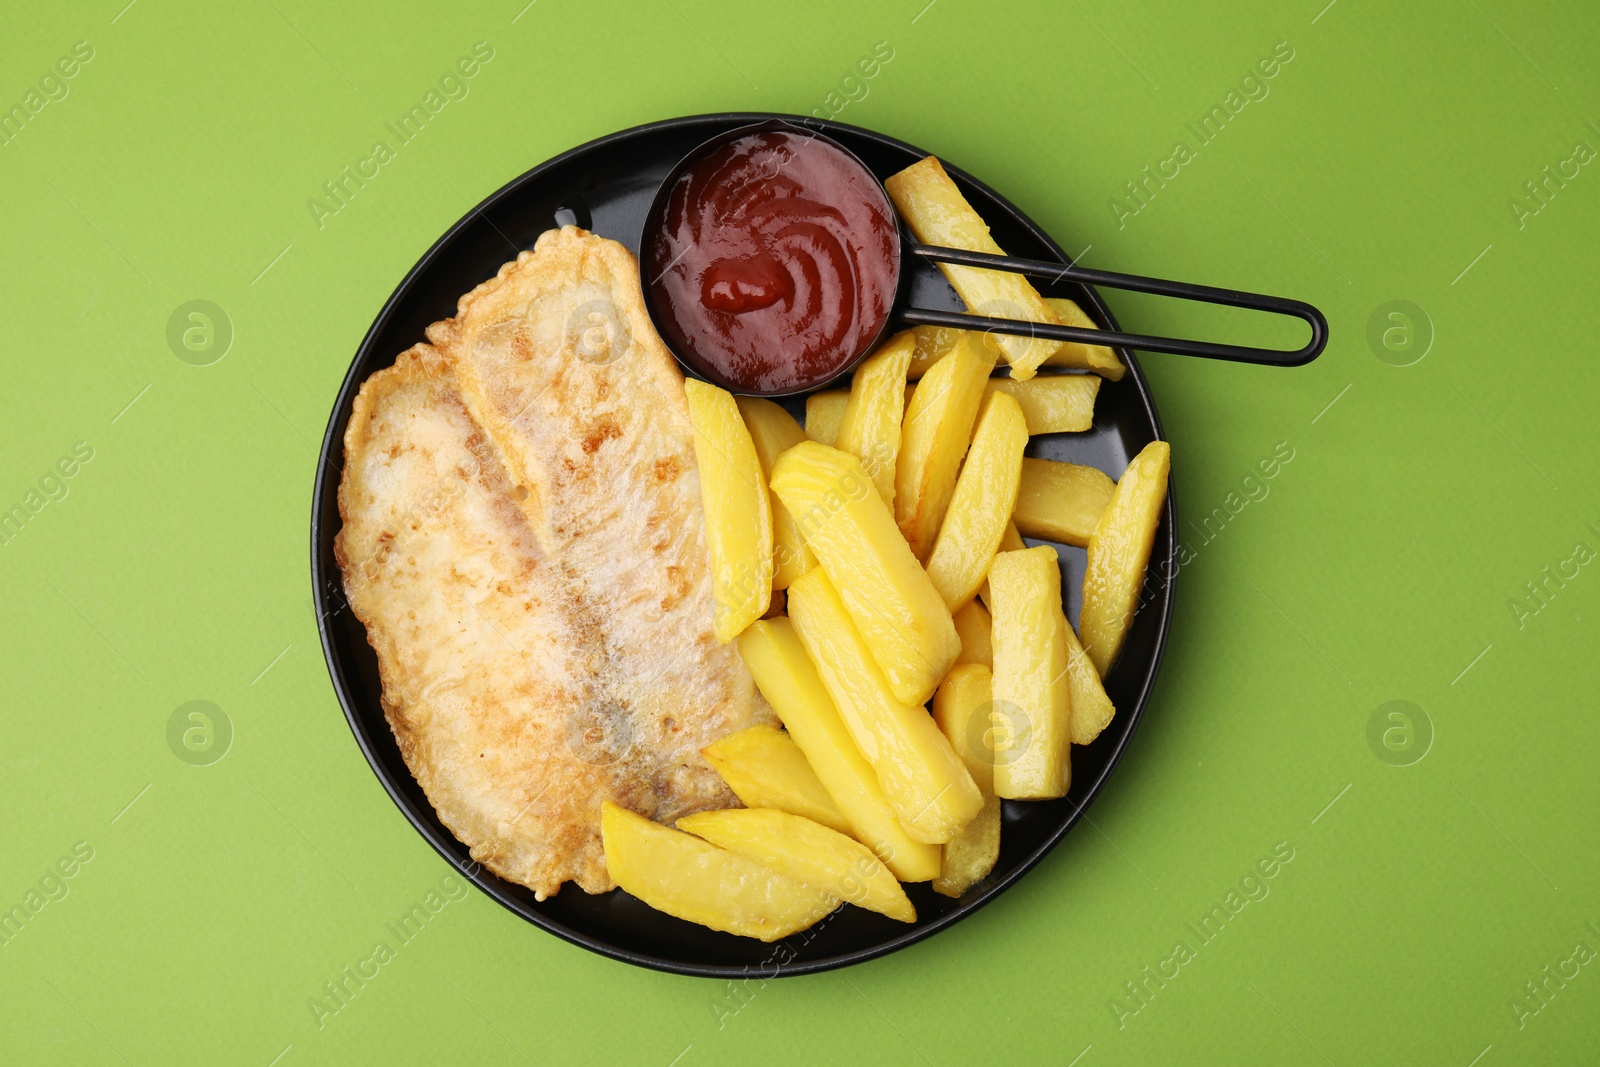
x=524, y=541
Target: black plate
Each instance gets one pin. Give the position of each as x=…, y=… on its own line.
x=607, y=186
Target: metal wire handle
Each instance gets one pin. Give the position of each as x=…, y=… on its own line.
x=1059, y=272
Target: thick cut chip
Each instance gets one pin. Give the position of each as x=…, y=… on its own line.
x=870, y=427
x=1061, y=501
x=766, y=769
x=524, y=541
x=922, y=777
x=774, y=431
x=789, y=680
x=970, y=855
x=980, y=507
x=889, y=595
x=1053, y=403
x=808, y=852
x=824, y=413
x=973, y=624
x=1010, y=541
x=1098, y=358
x=692, y=879
x=935, y=436
x=933, y=344
x=1032, y=695
x=1092, y=710
x=738, y=513
x=1119, y=551
x=939, y=215
x=962, y=708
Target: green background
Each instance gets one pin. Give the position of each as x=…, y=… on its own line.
x=1380, y=566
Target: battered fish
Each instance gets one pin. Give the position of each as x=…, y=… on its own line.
x=524, y=541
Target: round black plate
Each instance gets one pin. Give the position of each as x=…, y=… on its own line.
x=606, y=186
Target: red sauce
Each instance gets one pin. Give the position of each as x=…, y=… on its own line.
x=776, y=262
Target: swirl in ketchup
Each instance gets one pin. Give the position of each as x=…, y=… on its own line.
x=775, y=262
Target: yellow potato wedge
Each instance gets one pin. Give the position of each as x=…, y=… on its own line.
x=888, y=594
x=984, y=496
x=773, y=431
x=1092, y=710
x=1119, y=551
x=733, y=490
x=1032, y=695
x=1053, y=403
x=922, y=777
x=1061, y=501
x=933, y=344
x=937, y=430
x=692, y=879
x=939, y=215
x=788, y=679
x=970, y=855
x=962, y=707
x=869, y=429
x=766, y=769
x=808, y=852
x=824, y=413
x=973, y=625
x=1098, y=358
x=1010, y=541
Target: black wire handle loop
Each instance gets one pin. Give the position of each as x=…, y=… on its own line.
x=1060, y=272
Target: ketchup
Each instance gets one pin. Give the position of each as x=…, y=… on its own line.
x=776, y=262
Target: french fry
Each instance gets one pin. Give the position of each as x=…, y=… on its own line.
x=939, y=215
x=1061, y=501
x=766, y=769
x=974, y=626
x=1053, y=403
x=1119, y=551
x=985, y=494
x=933, y=344
x=1092, y=710
x=970, y=855
x=692, y=879
x=869, y=429
x=1032, y=694
x=773, y=431
x=1010, y=541
x=788, y=679
x=889, y=596
x=733, y=490
x=937, y=430
x=962, y=707
x=809, y=853
x=824, y=412
x=922, y=778
x=1098, y=358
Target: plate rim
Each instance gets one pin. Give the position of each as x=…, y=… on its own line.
x=330, y=463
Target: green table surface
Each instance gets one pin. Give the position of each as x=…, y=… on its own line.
x=1431, y=539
